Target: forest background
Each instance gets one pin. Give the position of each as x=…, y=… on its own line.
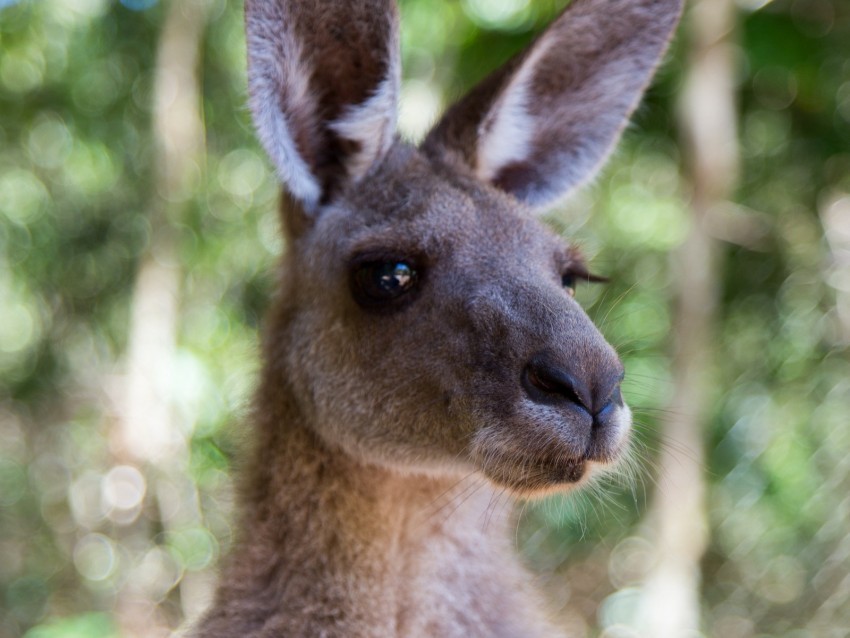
x=138, y=237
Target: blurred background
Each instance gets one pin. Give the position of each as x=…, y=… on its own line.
x=138, y=230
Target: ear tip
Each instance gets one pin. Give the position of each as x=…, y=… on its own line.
x=663, y=12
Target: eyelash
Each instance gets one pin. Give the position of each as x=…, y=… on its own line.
x=570, y=279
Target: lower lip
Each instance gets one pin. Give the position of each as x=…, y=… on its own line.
x=571, y=472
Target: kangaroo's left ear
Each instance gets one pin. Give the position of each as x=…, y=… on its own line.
x=546, y=121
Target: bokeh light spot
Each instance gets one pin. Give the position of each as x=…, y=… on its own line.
x=195, y=547
x=618, y=612
x=84, y=497
x=81, y=10
x=420, y=105
x=49, y=142
x=22, y=70
x=95, y=557
x=89, y=625
x=241, y=172
x=498, y=14
x=19, y=326
x=157, y=573
x=23, y=197
x=90, y=169
x=123, y=490
x=630, y=561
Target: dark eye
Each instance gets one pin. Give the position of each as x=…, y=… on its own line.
x=381, y=282
x=568, y=281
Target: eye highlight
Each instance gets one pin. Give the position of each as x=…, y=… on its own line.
x=380, y=282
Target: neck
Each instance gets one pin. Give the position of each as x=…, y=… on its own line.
x=330, y=546
x=294, y=471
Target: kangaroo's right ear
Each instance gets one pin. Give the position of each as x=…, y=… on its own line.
x=323, y=77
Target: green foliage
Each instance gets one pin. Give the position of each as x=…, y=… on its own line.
x=83, y=626
x=78, y=524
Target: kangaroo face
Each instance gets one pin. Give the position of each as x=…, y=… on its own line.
x=428, y=326
x=438, y=331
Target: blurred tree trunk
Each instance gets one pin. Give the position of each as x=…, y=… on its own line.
x=678, y=524
x=835, y=217
x=147, y=434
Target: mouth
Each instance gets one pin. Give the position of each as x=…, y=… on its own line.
x=540, y=455
x=531, y=477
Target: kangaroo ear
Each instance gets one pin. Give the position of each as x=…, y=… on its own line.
x=323, y=78
x=546, y=121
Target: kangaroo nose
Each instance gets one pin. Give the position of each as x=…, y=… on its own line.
x=547, y=382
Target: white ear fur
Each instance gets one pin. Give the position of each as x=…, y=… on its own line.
x=505, y=133
x=266, y=74
x=372, y=124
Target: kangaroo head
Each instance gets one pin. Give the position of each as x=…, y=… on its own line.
x=427, y=318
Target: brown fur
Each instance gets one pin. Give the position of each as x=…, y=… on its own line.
x=387, y=436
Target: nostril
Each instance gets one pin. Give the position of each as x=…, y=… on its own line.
x=609, y=394
x=546, y=383
x=606, y=411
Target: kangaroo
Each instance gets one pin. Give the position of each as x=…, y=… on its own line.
x=424, y=355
